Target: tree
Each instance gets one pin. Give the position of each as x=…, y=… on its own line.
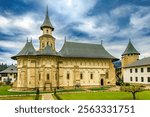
x=134, y=88
x=37, y=94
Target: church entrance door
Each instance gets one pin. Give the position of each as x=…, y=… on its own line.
x=102, y=82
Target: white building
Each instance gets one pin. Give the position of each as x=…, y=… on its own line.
x=138, y=72
x=9, y=74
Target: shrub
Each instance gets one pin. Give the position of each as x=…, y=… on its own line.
x=1, y=83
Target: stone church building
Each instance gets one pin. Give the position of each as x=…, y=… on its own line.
x=76, y=64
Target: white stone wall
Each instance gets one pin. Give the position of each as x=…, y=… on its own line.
x=11, y=76
x=139, y=74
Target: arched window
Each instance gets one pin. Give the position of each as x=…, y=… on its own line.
x=47, y=31
x=42, y=45
x=68, y=76
x=47, y=76
x=81, y=76
x=39, y=76
x=91, y=75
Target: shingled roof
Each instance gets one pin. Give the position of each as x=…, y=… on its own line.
x=47, y=51
x=47, y=22
x=142, y=62
x=130, y=50
x=84, y=50
x=10, y=69
x=28, y=49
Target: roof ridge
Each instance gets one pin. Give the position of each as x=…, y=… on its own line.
x=81, y=42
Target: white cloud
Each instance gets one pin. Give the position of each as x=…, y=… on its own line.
x=122, y=11
x=11, y=44
x=23, y=23
x=140, y=19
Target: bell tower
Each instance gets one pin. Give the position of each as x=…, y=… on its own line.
x=46, y=38
x=129, y=56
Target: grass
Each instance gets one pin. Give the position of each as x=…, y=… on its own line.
x=70, y=90
x=99, y=88
x=4, y=91
x=145, y=95
x=18, y=98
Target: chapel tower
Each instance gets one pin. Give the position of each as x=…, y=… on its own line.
x=47, y=29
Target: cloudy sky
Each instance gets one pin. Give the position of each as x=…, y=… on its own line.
x=90, y=21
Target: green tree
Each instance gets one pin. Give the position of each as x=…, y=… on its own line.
x=134, y=88
x=37, y=94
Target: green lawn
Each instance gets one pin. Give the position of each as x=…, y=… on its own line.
x=70, y=90
x=18, y=98
x=145, y=95
x=99, y=88
x=4, y=91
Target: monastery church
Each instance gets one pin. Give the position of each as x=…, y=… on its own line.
x=76, y=64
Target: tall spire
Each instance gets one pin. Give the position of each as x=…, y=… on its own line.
x=130, y=49
x=47, y=22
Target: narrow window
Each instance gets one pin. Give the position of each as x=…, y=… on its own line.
x=136, y=70
x=56, y=76
x=47, y=76
x=136, y=79
x=148, y=69
x=142, y=70
x=68, y=76
x=39, y=76
x=47, y=31
x=91, y=76
x=130, y=70
x=130, y=78
x=42, y=45
x=142, y=79
x=81, y=76
x=148, y=79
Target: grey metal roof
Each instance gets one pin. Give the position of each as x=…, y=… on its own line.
x=28, y=49
x=84, y=50
x=47, y=22
x=130, y=49
x=47, y=51
x=10, y=69
x=142, y=62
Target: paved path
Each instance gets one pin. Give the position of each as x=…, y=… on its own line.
x=47, y=96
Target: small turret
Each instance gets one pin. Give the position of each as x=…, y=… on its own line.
x=46, y=38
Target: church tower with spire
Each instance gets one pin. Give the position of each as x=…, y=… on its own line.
x=46, y=38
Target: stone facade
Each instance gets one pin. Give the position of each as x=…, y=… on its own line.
x=49, y=72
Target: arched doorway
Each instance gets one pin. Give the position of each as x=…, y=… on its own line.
x=102, y=82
